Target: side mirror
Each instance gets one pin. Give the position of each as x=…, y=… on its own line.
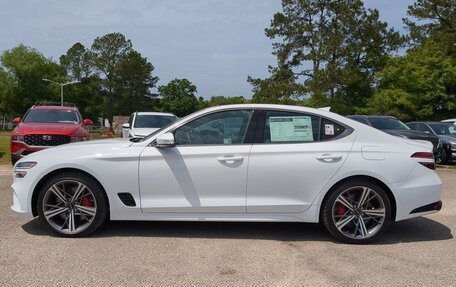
x=17, y=120
x=87, y=122
x=165, y=140
x=126, y=125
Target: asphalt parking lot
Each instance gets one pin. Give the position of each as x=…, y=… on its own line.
x=417, y=252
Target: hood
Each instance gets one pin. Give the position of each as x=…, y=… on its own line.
x=43, y=128
x=412, y=134
x=447, y=138
x=142, y=132
x=84, y=146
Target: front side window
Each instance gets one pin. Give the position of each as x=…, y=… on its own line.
x=222, y=128
x=52, y=116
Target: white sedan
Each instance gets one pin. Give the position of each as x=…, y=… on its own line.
x=236, y=163
x=141, y=124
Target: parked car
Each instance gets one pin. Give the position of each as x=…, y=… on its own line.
x=274, y=163
x=395, y=127
x=445, y=131
x=142, y=124
x=45, y=126
x=452, y=121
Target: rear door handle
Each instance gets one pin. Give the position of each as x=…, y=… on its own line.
x=329, y=158
x=230, y=159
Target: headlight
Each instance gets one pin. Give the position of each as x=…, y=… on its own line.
x=18, y=138
x=21, y=167
x=453, y=145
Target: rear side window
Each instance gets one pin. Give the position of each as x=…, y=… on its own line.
x=330, y=129
x=282, y=127
x=290, y=127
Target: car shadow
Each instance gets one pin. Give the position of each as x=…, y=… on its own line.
x=413, y=230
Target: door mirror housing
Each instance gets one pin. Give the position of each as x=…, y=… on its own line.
x=165, y=140
x=126, y=125
x=17, y=120
x=87, y=122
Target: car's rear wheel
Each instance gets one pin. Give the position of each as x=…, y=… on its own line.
x=357, y=212
x=72, y=204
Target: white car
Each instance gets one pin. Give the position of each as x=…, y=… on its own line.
x=141, y=124
x=453, y=121
x=236, y=163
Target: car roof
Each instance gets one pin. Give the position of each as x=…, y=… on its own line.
x=427, y=122
x=154, y=114
x=368, y=117
x=54, y=108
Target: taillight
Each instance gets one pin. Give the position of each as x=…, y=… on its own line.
x=427, y=156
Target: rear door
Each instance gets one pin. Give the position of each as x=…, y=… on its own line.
x=293, y=158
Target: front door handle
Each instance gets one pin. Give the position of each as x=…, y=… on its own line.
x=230, y=159
x=328, y=158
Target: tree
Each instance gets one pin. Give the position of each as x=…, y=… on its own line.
x=7, y=88
x=178, y=97
x=433, y=20
x=105, y=54
x=326, y=50
x=134, y=79
x=221, y=100
x=26, y=67
x=420, y=85
x=76, y=62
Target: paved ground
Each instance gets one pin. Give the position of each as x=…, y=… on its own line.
x=418, y=252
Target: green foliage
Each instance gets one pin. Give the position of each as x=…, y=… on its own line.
x=178, y=97
x=25, y=68
x=133, y=81
x=418, y=86
x=433, y=20
x=76, y=62
x=325, y=50
x=221, y=100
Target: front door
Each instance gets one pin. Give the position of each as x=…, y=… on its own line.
x=205, y=172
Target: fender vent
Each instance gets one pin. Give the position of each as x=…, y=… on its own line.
x=127, y=199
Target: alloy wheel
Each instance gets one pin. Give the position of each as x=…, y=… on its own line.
x=359, y=212
x=69, y=206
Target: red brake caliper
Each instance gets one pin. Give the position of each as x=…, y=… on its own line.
x=87, y=201
x=340, y=209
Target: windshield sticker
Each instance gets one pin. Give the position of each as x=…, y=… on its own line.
x=329, y=130
x=290, y=129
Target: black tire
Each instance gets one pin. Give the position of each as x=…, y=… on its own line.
x=442, y=157
x=96, y=197
x=13, y=160
x=330, y=207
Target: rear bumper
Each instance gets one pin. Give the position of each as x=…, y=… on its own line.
x=422, y=188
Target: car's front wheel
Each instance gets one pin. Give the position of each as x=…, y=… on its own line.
x=72, y=204
x=356, y=212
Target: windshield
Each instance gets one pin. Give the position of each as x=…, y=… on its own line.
x=153, y=121
x=388, y=124
x=52, y=116
x=444, y=129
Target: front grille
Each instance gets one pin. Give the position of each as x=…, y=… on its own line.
x=46, y=140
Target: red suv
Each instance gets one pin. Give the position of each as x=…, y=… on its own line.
x=45, y=126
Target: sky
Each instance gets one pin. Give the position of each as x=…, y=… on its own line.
x=215, y=44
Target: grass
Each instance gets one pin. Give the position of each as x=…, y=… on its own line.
x=5, y=157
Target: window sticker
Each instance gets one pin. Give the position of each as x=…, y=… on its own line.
x=227, y=141
x=329, y=130
x=291, y=129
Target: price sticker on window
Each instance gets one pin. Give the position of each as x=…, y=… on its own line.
x=329, y=130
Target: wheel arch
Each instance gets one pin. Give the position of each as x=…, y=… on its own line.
x=53, y=173
x=385, y=187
